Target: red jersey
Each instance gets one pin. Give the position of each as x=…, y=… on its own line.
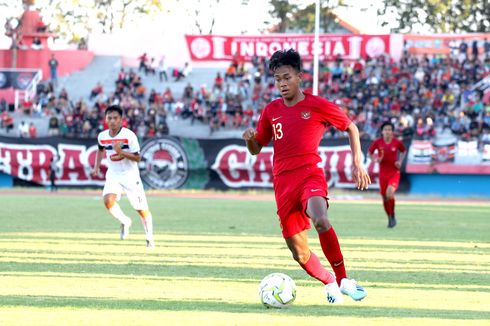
x=296, y=131
x=389, y=152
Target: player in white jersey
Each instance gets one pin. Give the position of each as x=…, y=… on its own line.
x=122, y=152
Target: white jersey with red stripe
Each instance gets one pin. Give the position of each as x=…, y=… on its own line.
x=117, y=165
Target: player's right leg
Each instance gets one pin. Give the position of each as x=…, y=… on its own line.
x=112, y=193
x=298, y=244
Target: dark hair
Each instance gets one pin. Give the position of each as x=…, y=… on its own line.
x=114, y=108
x=387, y=123
x=285, y=58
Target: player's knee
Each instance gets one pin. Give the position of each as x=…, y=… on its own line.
x=109, y=202
x=390, y=194
x=322, y=224
x=143, y=212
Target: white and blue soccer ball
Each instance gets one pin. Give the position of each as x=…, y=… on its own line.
x=277, y=290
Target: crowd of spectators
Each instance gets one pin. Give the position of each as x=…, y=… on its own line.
x=423, y=96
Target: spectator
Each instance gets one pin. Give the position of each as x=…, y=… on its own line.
x=162, y=69
x=218, y=82
x=53, y=68
x=184, y=72
x=230, y=72
x=23, y=129
x=486, y=48
x=152, y=67
x=96, y=91
x=485, y=135
x=36, y=44
x=82, y=44
x=3, y=105
x=41, y=27
x=53, y=126
x=53, y=167
x=143, y=65
x=214, y=123
x=32, y=130
x=474, y=49
x=7, y=121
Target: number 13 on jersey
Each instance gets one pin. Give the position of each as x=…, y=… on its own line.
x=277, y=129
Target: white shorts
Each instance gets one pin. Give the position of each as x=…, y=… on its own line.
x=132, y=186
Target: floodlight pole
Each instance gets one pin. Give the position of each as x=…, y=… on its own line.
x=316, y=47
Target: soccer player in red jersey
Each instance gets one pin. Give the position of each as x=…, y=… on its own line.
x=296, y=123
x=387, y=148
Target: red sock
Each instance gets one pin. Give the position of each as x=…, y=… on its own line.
x=315, y=269
x=386, y=205
x=391, y=203
x=331, y=249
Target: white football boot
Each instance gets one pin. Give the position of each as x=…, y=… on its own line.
x=332, y=291
x=351, y=288
x=125, y=230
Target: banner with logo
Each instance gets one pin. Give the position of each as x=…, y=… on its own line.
x=15, y=79
x=169, y=163
x=348, y=46
x=462, y=157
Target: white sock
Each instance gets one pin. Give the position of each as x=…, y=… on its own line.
x=148, y=226
x=118, y=214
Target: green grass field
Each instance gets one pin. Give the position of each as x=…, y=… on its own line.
x=62, y=263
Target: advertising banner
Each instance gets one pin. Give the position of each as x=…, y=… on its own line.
x=15, y=79
x=169, y=163
x=459, y=157
x=348, y=46
x=443, y=43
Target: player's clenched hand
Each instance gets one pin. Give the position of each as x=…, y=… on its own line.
x=117, y=147
x=361, y=177
x=398, y=164
x=249, y=134
x=94, y=173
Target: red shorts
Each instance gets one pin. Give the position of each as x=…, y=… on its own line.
x=292, y=190
x=392, y=179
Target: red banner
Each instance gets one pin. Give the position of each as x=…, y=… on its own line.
x=215, y=47
x=168, y=163
x=442, y=43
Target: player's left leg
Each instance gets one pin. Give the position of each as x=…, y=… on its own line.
x=298, y=244
x=392, y=185
x=137, y=197
x=390, y=203
x=147, y=221
x=316, y=209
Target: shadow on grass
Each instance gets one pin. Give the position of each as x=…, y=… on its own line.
x=168, y=270
x=220, y=306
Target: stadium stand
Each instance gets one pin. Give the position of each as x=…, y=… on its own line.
x=425, y=97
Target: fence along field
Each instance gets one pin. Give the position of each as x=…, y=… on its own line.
x=62, y=263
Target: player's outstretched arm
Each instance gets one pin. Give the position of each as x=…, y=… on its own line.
x=361, y=177
x=252, y=144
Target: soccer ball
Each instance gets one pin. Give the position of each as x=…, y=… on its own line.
x=277, y=290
